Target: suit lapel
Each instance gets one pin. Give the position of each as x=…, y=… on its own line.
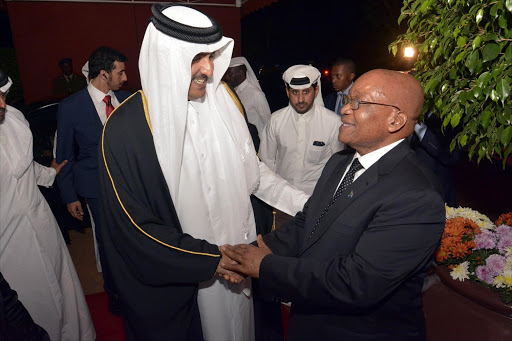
x=352, y=193
x=325, y=190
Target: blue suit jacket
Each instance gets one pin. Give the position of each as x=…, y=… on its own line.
x=78, y=133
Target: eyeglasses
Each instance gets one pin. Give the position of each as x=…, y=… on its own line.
x=355, y=102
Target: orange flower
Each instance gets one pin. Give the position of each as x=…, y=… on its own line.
x=449, y=241
x=505, y=219
x=459, y=250
x=455, y=229
x=442, y=254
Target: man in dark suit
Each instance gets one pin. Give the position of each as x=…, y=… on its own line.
x=353, y=261
x=80, y=123
x=343, y=72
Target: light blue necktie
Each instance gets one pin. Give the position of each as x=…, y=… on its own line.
x=340, y=102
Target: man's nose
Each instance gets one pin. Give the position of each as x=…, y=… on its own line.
x=206, y=66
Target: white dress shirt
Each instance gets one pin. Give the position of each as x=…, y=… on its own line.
x=255, y=104
x=297, y=146
x=97, y=97
x=368, y=160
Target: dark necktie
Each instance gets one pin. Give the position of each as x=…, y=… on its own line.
x=109, y=107
x=347, y=180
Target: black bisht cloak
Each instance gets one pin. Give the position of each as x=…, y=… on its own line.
x=155, y=266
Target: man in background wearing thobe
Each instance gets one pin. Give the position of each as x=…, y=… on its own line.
x=242, y=78
x=34, y=258
x=300, y=138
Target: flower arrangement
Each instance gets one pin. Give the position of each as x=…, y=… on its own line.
x=476, y=249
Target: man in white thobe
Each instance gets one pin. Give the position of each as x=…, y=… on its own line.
x=34, y=258
x=185, y=119
x=243, y=79
x=300, y=138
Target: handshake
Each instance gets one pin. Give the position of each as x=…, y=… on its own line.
x=242, y=260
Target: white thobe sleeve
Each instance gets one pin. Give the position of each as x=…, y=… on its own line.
x=262, y=108
x=44, y=175
x=334, y=142
x=268, y=146
x=279, y=193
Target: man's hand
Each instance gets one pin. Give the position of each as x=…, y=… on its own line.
x=75, y=208
x=58, y=166
x=248, y=257
x=231, y=276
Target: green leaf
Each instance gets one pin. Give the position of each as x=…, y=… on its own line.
x=472, y=62
x=425, y=6
x=483, y=79
x=506, y=136
x=494, y=10
x=394, y=50
x=484, y=118
x=508, y=53
x=463, y=140
x=455, y=120
x=476, y=42
x=479, y=15
x=453, y=73
x=459, y=57
x=401, y=17
x=494, y=95
x=491, y=36
x=446, y=121
x=461, y=41
x=508, y=4
x=477, y=91
x=490, y=52
x=456, y=32
x=503, y=90
x=502, y=21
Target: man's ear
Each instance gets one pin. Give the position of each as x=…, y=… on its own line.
x=352, y=76
x=317, y=90
x=397, y=121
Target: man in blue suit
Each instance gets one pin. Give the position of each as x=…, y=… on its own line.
x=80, y=122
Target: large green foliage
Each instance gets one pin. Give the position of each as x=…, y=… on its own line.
x=464, y=64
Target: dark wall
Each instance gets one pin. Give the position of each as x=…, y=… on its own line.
x=44, y=33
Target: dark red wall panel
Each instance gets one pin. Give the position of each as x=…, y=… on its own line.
x=46, y=32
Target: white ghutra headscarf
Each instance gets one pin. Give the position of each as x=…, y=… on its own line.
x=165, y=69
x=249, y=75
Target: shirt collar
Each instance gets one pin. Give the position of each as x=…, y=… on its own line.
x=242, y=85
x=306, y=116
x=346, y=90
x=98, y=95
x=369, y=159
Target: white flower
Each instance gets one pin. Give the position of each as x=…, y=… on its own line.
x=460, y=272
x=504, y=280
x=480, y=219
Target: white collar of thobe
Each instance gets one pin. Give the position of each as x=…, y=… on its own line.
x=242, y=86
x=308, y=116
x=369, y=159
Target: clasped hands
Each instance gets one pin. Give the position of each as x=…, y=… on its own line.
x=242, y=260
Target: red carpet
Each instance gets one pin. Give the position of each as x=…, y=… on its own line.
x=108, y=327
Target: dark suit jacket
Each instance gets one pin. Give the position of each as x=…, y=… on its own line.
x=359, y=276
x=78, y=133
x=434, y=152
x=330, y=101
